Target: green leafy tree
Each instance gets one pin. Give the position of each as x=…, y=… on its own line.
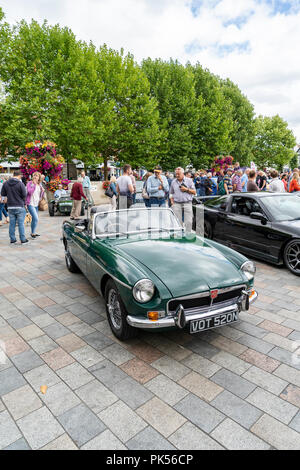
x=243, y=131
x=172, y=85
x=215, y=124
x=274, y=142
x=294, y=162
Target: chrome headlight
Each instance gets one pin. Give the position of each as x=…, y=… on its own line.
x=143, y=291
x=249, y=269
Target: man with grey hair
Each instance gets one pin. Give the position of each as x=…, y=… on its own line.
x=77, y=194
x=86, y=184
x=181, y=195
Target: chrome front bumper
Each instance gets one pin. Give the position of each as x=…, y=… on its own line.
x=171, y=321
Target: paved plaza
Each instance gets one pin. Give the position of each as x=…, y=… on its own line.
x=236, y=387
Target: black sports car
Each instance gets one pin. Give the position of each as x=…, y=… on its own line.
x=263, y=225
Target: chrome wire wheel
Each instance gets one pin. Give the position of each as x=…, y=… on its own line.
x=292, y=256
x=114, y=309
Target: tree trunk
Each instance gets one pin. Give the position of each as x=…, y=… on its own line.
x=105, y=169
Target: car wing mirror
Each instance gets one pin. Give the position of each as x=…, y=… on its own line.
x=259, y=216
x=223, y=206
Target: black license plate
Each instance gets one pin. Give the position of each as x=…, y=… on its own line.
x=213, y=321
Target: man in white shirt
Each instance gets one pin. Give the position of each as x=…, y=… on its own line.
x=125, y=188
x=276, y=185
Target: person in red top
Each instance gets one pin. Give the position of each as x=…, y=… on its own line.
x=77, y=194
x=294, y=184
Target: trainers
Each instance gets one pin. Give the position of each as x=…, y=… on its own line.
x=25, y=241
x=13, y=241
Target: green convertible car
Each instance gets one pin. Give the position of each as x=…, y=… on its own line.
x=155, y=276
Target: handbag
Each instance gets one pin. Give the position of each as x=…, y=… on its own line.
x=145, y=195
x=109, y=192
x=43, y=205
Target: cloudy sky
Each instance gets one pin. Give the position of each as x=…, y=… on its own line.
x=252, y=42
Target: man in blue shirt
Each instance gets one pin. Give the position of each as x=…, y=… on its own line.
x=244, y=180
x=86, y=184
x=157, y=188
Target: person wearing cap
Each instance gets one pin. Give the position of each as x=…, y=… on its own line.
x=227, y=182
x=157, y=188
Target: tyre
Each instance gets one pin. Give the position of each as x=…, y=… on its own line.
x=51, y=210
x=291, y=256
x=116, y=313
x=208, y=232
x=71, y=265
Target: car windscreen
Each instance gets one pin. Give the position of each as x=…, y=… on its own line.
x=283, y=207
x=135, y=221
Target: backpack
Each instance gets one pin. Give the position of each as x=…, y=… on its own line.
x=222, y=191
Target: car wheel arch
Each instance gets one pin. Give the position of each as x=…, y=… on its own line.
x=103, y=283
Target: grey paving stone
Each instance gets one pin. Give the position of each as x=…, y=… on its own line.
x=170, y=367
x=26, y=361
x=40, y=428
x=233, y=383
x=117, y=354
x=285, y=356
x=75, y=375
x=42, y=375
x=89, y=317
x=166, y=389
x=189, y=437
x=278, y=435
x=63, y=442
x=255, y=343
x=265, y=380
x=97, y=340
x=55, y=310
x=9, y=432
x=78, y=309
x=230, y=362
x=234, y=437
x=199, y=413
x=10, y=379
x=32, y=311
x=81, y=424
x=20, y=444
x=295, y=423
x=56, y=330
x=274, y=406
x=108, y=373
x=42, y=344
x=236, y=408
x=19, y=322
x=202, y=348
x=122, y=421
x=87, y=356
x=132, y=393
x=96, y=396
x=105, y=441
x=59, y=398
x=21, y=402
x=295, y=336
x=250, y=329
x=149, y=439
x=81, y=329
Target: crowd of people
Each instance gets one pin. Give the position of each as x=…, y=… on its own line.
x=159, y=189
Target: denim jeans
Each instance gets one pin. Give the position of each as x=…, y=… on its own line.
x=157, y=201
x=14, y=216
x=33, y=211
x=2, y=209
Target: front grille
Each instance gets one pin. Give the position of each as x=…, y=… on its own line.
x=202, y=302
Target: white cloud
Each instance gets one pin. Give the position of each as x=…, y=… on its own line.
x=263, y=62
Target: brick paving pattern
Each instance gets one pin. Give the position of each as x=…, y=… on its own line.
x=236, y=387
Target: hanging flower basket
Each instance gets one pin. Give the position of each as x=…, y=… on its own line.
x=43, y=157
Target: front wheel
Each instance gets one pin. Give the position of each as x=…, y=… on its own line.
x=116, y=313
x=71, y=265
x=291, y=256
x=51, y=210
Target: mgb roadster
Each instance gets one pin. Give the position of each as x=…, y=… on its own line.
x=154, y=275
